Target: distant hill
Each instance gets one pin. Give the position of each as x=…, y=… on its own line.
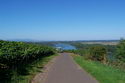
x=98, y=41
x=33, y=40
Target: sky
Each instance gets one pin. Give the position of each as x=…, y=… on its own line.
x=62, y=19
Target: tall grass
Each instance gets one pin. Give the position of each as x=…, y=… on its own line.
x=103, y=73
x=32, y=70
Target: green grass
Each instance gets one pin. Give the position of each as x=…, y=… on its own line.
x=103, y=73
x=33, y=69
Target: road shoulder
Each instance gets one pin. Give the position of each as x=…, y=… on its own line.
x=41, y=77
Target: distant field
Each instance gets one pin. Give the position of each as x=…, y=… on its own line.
x=103, y=43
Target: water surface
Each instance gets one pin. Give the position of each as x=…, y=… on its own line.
x=65, y=46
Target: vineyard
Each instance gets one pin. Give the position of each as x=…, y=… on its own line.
x=15, y=56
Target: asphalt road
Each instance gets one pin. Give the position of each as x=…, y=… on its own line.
x=65, y=70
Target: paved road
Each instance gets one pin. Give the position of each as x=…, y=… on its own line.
x=65, y=70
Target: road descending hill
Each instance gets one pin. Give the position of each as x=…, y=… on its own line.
x=65, y=70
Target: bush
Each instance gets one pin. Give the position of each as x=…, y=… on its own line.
x=120, y=51
x=97, y=53
x=16, y=56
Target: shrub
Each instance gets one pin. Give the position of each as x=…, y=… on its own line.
x=97, y=53
x=120, y=51
x=15, y=56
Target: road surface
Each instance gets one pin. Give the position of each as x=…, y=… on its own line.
x=65, y=70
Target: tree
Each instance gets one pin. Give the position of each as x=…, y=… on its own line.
x=120, y=51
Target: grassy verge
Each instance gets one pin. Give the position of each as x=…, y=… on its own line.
x=103, y=73
x=33, y=69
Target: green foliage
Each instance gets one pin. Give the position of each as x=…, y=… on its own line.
x=77, y=51
x=103, y=73
x=15, y=56
x=120, y=52
x=97, y=53
x=84, y=48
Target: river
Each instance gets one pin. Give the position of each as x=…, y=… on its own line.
x=64, y=46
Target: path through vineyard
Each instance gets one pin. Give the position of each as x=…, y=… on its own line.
x=65, y=70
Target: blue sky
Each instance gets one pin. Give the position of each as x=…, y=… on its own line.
x=62, y=19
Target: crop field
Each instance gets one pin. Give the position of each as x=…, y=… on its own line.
x=102, y=43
